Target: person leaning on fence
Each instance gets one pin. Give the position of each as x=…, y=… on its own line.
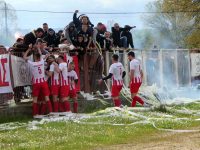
x=117, y=73
x=51, y=38
x=31, y=37
x=70, y=33
x=128, y=36
x=118, y=41
x=73, y=80
x=38, y=80
x=101, y=29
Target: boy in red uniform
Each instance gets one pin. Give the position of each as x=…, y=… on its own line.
x=54, y=81
x=64, y=85
x=136, y=75
x=38, y=80
x=117, y=73
x=73, y=78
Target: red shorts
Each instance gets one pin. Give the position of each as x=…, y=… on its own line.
x=40, y=88
x=72, y=93
x=64, y=91
x=55, y=89
x=41, y=97
x=116, y=90
x=134, y=87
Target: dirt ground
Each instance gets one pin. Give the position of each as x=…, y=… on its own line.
x=163, y=141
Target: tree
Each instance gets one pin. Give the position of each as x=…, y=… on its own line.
x=7, y=22
x=174, y=20
x=191, y=10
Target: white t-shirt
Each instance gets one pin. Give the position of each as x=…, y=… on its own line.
x=55, y=76
x=72, y=75
x=136, y=66
x=37, y=70
x=63, y=74
x=117, y=69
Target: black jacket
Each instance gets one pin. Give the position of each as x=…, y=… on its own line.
x=30, y=38
x=129, y=38
x=116, y=36
x=51, y=40
x=78, y=23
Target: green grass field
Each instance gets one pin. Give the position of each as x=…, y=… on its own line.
x=70, y=135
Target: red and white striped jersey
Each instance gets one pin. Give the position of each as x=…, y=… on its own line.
x=117, y=69
x=136, y=66
x=63, y=74
x=72, y=75
x=55, y=76
x=37, y=70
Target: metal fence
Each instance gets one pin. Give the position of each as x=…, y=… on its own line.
x=163, y=67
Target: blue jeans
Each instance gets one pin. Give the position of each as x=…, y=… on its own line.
x=123, y=41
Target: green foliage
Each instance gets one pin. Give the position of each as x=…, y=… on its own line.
x=176, y=21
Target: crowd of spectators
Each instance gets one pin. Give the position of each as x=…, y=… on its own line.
x=82, y=34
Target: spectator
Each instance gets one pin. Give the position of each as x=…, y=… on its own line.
x=82, y=19
x=87, y=34
x=59, y=36
x=80, y=45
x=31, y=37
x=127, y=35
x=45, y=29
x=116, y=32
x=101, y=29
x=19, y=40
x=2, y=50
x=71, y=33
x=50, y=38
x=108, y=41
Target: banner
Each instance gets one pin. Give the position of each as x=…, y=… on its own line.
x=5, y=82
x=195, y=64
x=21, y=71
x=75, y=60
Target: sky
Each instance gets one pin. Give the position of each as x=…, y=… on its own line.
x=27, y=20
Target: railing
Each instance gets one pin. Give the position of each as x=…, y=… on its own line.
x=163, y=67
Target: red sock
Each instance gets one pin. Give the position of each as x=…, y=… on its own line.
x=60, y=106
x=39, y=109
x=75, y=107
x=55, y=106
x=67, y=106
x=35, y=109
x=43, y=109
x=117, y=102
x=49, y=106
x=134, y=102
x=139, y=100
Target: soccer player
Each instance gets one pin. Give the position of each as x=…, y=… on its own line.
x=136, y=75
x=54, y=81
x=73, y=78
x=117, y=73
x=64, y=85
x=38, y=80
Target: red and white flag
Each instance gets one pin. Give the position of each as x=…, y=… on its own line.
x=5, y=82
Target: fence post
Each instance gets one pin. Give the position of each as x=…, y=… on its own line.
x=126, y=66
x=176, y=68
x=161, y=67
